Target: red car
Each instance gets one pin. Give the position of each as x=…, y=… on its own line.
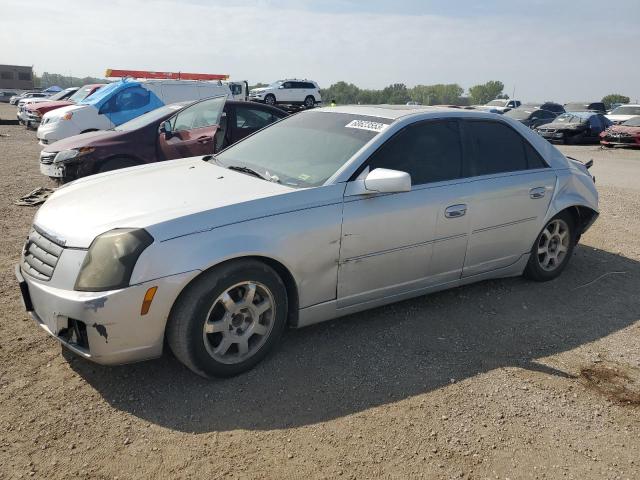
x=627, y=134
x=184, y=129
x=35, y=111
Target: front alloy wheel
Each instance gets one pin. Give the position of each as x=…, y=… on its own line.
x=239, y=322
x=229, y=318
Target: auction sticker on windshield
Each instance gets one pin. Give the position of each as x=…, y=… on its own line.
x=366, y=125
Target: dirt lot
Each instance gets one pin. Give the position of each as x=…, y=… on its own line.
x=503, y=379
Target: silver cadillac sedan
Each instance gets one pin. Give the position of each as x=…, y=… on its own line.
x=326, y=213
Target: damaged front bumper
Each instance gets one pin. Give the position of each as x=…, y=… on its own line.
x=104, y=327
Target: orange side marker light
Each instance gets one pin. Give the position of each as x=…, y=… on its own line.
x=148, y=298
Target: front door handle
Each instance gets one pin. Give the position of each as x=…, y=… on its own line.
x=537, y=192
x=455, y=211
x=204, y=139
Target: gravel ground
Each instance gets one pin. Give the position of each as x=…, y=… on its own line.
x=502, y=379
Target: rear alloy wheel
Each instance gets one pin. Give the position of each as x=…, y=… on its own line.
x=270, y=99
x=552, y=249
x=228, y=319
x=309, y=102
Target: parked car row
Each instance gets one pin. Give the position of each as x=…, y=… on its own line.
x=178, y=130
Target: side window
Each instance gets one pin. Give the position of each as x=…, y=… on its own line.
x=129, y=99
x=253, y=118
x=534, y=160
x=287, y=84
x=428, y=151
x=202, y=114
x=495, y=148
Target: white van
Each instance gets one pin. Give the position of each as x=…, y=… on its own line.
x=120, y=102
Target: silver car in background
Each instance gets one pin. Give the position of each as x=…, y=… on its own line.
x=323, y=214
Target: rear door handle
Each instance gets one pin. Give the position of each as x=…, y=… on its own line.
x=537, y=192
x=455, y=211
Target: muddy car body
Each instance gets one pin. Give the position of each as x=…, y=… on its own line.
x=575, y=128
x=312, y=218
x=625, y=134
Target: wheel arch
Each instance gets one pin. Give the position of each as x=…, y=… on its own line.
x=281, y=270
x=98, y=164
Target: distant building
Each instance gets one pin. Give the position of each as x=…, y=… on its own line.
x=16, y=77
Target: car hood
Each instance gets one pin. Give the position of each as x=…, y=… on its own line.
x=148, y=196
x=84, y=140
x=623, y=129
x=61, y=111
x=45, y=106
x=562, y=125
x=259, y=90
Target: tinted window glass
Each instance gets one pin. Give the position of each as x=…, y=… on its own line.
x=534, y=160
x=429, y=152
x=253, y=118
x=494, y=148
x=309, y=85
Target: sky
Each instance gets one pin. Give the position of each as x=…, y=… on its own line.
x=560, y=50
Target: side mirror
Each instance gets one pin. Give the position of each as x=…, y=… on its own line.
x=281, y=87
x=383, y=180
x=165, y=127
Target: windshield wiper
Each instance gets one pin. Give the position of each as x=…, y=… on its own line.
x=248, y=170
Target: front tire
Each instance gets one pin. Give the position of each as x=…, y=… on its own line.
x=270, y=99
x=552, y=249
x=229, y=319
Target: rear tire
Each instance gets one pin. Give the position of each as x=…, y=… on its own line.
x=309, y=102
x=228, y=319
x=552, y=249
x=117, y=163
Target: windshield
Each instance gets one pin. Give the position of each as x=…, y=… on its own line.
x=306, y=149
x=497, y=103
x=626, y=110
x=59, y=95
x=632, y=122
x=150, y=117
x=518, y=114
x=276, y=84
x=81, y=94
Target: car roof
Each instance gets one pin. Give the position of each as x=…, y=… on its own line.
x=393, y=112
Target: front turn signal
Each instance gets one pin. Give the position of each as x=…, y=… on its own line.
x=148, y=298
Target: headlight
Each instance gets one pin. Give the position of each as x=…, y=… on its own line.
x=67, y=155
x=111, y=258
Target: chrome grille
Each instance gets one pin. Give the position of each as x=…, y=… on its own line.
x=40, y=255
x=47, y=157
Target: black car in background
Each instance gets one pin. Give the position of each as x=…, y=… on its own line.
x=585, y=107
x=575, y=127
x=531, y=117
x=548, y=106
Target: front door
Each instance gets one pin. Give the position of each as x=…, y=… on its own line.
x=513, y=188
x=192, y=130
x=389, y=240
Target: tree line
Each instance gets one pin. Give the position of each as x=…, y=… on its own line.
x=347, y=93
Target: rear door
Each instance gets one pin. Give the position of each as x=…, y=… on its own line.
x=192, y=130
x=512, y=190
x=250, y=118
